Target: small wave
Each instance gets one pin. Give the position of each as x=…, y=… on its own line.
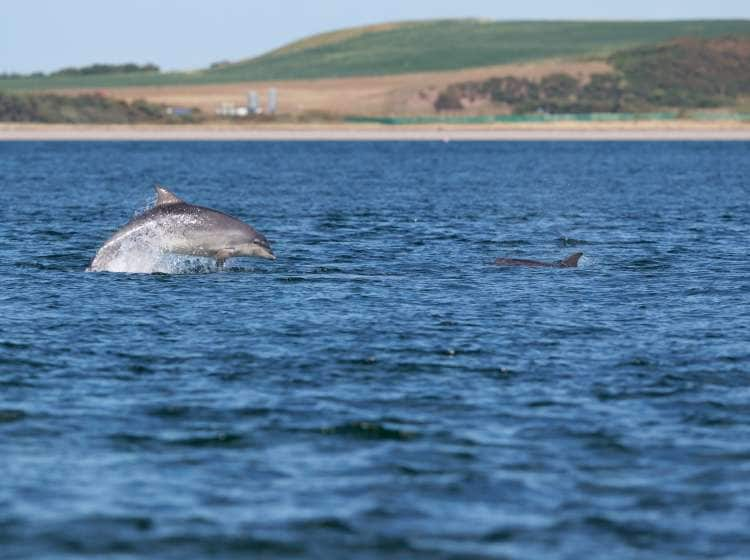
x=368, y=430
x=325, y=523
x=647, y=264
x=221, y=439
x=364, y=361
x=61, y=262
x=11, y=415
x=503, y=534
x=603, y=441
x=637, y=361
x=291, y=279
x=10, y=345
x=26, y=362
x=171, y=411
x=214, y=440
x=327, y=270
x=679, y=250
x=54, y=234
x=175, y=411
x=16, y=382
x=639, y=534
x=566, y=241
x=513, y=243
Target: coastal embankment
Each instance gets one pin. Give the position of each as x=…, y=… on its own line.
x=565, y=130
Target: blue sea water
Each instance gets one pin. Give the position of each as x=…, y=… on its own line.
x=382, y=390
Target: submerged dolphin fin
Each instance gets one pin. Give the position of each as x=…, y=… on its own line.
x=222, y=256
x=163, y=196
x=571, y=261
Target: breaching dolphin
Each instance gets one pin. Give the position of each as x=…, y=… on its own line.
x=174, y=226
x=570, y=262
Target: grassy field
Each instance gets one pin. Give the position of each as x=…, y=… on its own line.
x=394, y=95
x=412, y=47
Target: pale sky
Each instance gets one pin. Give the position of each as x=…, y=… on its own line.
x=183, y=34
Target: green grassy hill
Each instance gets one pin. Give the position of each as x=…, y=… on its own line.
x=417, y=47
x=456, y=44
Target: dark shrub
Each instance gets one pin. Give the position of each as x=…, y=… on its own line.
x=688, y=72
x=53, y=108
x=558, y=86
x=511, y=90
x=602, y=94
x=449, y=100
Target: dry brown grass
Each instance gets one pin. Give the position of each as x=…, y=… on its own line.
x=395, y=95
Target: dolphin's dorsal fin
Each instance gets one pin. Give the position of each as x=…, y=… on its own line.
x=571, y=261
x=163, y=196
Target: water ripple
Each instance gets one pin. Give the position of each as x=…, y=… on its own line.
x=382, y=390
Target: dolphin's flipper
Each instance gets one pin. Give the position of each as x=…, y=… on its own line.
x=163, y=196
x=221, y=257
x=571, y=261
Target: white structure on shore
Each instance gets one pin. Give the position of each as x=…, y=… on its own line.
x=252, y=107
x=252, y=102
x=272, y=101
x=230, y=110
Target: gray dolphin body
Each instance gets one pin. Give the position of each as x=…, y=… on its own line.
x=569, y=262
x=174, y=226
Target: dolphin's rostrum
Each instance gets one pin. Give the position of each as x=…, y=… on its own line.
x=174, y=226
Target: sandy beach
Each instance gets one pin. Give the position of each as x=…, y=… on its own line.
x=636, y=130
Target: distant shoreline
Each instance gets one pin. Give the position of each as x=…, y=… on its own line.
x=616, y=131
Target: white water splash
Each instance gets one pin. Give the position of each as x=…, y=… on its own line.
x=586, y=261
x=150, y=261
x=144, y=253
